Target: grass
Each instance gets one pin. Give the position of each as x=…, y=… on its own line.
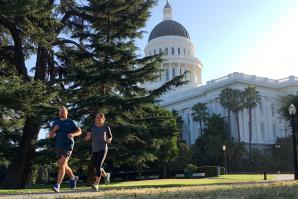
x=281, y=190
x=160, y=183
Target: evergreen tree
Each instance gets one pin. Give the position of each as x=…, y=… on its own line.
x=85, y=57
x=208, y=147
x=107, y=75
x=27, y=28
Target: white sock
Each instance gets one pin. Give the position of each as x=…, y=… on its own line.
x=73, y=177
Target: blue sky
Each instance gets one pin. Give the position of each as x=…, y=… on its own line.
x=257, y=37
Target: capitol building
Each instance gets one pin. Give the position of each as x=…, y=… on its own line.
x=172, y=39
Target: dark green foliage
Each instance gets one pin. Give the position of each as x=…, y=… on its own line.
x=208, y=147
x=106, y=76
x=200, y=113
x=232, y=100
x=251, y=99
x=210, y=171
x=282, y=154
x=85, y=59
x=28, y=28
x=284, y=103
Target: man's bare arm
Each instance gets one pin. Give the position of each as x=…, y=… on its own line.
x=75, y=133
x=88, y=136
x=53, y=132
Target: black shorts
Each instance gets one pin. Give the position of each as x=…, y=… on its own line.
x=98, y=158
x=66, y=152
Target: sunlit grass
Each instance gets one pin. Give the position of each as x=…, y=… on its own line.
x=159, y=183
x=286, y=190
x=188, y=182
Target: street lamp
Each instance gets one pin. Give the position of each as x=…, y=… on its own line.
x=224, y=148
x=277, y=146
x=292, y=112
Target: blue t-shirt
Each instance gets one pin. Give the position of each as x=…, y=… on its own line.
x=65, y=127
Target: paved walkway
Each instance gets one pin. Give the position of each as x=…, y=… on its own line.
x=88, y=193
x=284, y=177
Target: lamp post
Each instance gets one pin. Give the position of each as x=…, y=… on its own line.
x=292, y=112
x=224, y=148
x=277, y=146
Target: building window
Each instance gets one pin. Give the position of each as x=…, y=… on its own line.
x=180, y=71
x=160, y=73
x=261, y=107
x=150, y=53
x=173, y=72
x=160, y=51
x=166, y=51
x=263, y=130
x=167, y=74
x=272, y=109
x=274, y=132
x=154, y=52
x=178, y=51
x=184, y=51
x=173, y=51
x=188, y=52
x=188, y=119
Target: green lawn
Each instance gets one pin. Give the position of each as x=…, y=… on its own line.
x=272, y=190
x=189, y=182
x=224, y=179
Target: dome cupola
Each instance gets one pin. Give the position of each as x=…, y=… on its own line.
x=168, y=27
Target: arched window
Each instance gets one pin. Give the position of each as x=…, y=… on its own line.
x=166, y=51
x=167, y=74
x=178, y=51
x=173, y=51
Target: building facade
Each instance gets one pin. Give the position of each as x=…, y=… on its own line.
x=172, y=39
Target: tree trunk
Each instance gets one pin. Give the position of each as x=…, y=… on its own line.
x=20, y=167
x=201, y=128
x=238, y=126
x=229, y=126
x=165, y=171
x=249, y=131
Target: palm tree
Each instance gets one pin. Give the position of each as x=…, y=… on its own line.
x=225, y=100
x=232, y=100
x=251, y=99
x=200, y=113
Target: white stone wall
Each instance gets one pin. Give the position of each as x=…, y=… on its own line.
x=267, y=123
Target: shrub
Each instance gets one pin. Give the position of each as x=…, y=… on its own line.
x=210, y=171
x=222, y=171
x=191, y=168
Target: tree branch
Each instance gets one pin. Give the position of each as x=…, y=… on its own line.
x=18, y=47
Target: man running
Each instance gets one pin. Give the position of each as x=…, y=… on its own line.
x=101, y=135
x=65, y=130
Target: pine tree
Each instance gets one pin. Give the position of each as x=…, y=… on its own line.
x=107, y=76
x=27, y=28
